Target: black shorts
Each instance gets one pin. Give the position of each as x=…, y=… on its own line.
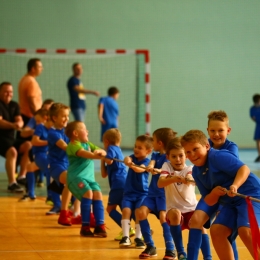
x=6, y=144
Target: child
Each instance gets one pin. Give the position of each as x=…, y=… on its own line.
x=218, y=173
x=108, y=110
x=218, y=130
x=57, y=157
x=255, y=115
x=136, y=189
x=116, y=172
x=155, y=200
x=180, y=197
x=81, y=179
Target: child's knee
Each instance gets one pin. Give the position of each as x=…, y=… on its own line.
x=174, y=215
x=141, y=213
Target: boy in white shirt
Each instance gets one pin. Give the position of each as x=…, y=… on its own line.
x=181, y=200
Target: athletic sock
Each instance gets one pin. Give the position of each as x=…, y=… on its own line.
x=234, y=247
x=145, y=228
x=98, y=211
x=116, y=216
x=194, y=243
x=167, y=236
x=205, y=247
x=176, y=233
x=138, y=233
x=30, y=178
x=85, y=211
x=125, y=227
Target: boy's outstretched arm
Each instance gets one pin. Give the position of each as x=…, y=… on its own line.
x=88, y=155
x=150, y=167
x=103, y=168
x=213, y=197
x=241, y=176
x=61, y=144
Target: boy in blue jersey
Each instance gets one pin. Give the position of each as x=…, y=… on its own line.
x=116, y=173
x=255, y=116
x=58, y=159
x=108, y=111
x=155, y=200
x=136, y=188
x=81, y=177
x=218, y=175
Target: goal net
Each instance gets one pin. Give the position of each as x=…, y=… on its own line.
x=100, y=71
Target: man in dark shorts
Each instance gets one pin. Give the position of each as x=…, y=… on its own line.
x=10, y=148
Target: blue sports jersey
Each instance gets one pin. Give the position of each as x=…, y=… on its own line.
x=228, y=145
x=42, y=132
x=57, y=155
x=111, y=111
x=117, y=172
x=255, y=113
x=77, y=100
x=31, y=123
x=220, y=170
x=154, y=190
x=137, y=183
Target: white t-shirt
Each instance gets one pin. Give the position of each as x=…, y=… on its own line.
x=178, y=195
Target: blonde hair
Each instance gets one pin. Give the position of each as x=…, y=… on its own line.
x=71, y=127
x=164, y=135
x=113, y=136
x=194, y=136
x=218, y=115
x=174, y=144
x=55, y=109
x=147, y=140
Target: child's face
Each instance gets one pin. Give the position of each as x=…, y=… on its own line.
x=196, y=153
x=140, y=150
x=40, y=119
x=82, y=133
x=61, y=120
x=218, y=132
x=177, y=159
x=116, y=96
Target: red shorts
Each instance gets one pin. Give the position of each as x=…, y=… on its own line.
x=185, y=218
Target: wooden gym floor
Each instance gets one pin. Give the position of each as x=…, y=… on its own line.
x=27, y=233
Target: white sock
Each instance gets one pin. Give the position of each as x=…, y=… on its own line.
x=138, y=233
x=125, y=227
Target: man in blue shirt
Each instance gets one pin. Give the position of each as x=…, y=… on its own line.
x=77, y=93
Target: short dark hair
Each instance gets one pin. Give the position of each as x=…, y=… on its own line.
x=55, y=109
x=47, y=101
x=75, y=65
x=5, y=83
x=71, y=127
x=147, y=140
x=173, y=144
x=256, y=98
x=32, y=63
x=164, y=134
x=112, y=91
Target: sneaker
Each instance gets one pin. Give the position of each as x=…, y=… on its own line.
x=139, y=243
x=27, y=197
x=120, y=235
x=149, y=251
x=49, y=201
x=63, y=219
x=100, y=231
x=21, y=181
x=53, y=211
x=40, y=184
x=182, y=257
x=125, y=242
x=86, y=232
x=76, y=220
x=170, y=255
x=15, y=188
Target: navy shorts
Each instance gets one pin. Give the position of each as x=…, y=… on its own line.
x=211, y=211
x=56, y=170
x=155, y=204
x=115, y=197
x=132, y=203
x=41, y=161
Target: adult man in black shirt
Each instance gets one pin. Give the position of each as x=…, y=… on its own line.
x=11, y=121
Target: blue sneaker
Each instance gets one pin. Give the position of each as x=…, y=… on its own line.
x=53, y=211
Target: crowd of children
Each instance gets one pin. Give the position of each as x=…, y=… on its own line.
x=170, y=196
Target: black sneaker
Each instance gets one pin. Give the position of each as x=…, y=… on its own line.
x=53, y=211
x=125, y=242
x=21, y=181
x=86, y=232
x=27, y=197
x=170, y=255
x=150, y=251
x=100, y=231
x=15, y=188
x=139, y=243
